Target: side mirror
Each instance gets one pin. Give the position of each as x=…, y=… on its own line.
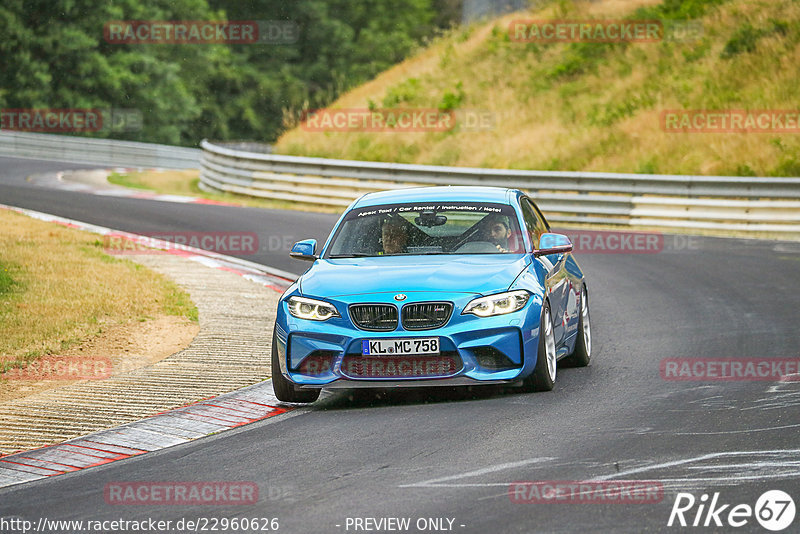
x=305, y=250
x=553, y=244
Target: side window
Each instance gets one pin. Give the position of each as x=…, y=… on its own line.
x=541, y=224
x=534, y=223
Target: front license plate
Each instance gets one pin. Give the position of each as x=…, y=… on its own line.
x=402, y=347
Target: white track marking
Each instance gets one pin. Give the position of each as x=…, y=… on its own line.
x=750, y=465
x=709, y=456
x=721, y=432
x=436, y=482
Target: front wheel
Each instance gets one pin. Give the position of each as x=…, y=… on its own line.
x=583, y=344
x=544, y=374
x=285, y=390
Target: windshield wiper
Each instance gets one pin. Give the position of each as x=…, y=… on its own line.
x=351, y=255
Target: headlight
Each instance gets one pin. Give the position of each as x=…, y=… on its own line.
x=314, y=310
x=499, y=304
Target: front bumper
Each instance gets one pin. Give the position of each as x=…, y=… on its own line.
x=408, y=383
x=491, y=350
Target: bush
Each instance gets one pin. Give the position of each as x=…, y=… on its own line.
x=452, y=100
x=406, y=91
x=746, y=37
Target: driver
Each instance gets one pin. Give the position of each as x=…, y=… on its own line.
x=394, y=237
x=499, y=233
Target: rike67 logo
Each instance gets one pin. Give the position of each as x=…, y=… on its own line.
x=774, y=510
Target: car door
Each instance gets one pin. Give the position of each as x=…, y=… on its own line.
x=557, y=282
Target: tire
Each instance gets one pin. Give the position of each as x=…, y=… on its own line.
x=582, y=353
x=544, y=374
x=284, y=389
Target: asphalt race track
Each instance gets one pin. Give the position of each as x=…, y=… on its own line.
x=452, y=454
x=274, y=228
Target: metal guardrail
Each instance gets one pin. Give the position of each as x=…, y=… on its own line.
x=97, y=151
x=669, y=201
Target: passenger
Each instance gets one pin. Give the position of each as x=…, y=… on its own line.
x=394, y=237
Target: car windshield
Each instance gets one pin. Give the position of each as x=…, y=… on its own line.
x=432, y=228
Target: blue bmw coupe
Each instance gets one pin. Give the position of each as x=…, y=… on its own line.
x=432, y=286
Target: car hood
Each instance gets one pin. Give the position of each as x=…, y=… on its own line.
x=476, y=274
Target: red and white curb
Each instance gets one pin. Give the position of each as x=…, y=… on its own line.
x=203, y=418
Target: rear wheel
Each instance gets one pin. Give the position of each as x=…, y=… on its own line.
x=583, y=344
x=544, y=374
x=284, y=389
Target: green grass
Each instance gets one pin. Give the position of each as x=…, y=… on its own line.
x=58, y=288
x=591, y=106
x=127, y=180
x=7, y=282
x=177, y=302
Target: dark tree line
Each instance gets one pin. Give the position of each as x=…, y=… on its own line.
x=53, y=54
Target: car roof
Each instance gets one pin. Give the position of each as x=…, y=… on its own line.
x=499, y=195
